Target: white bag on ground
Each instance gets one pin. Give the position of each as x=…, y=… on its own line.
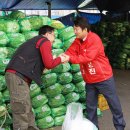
x=74, y=119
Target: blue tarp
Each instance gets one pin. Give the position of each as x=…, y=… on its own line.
x=92, y=18
x=39, y=4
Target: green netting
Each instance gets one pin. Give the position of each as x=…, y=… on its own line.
x=16, y=39
x=10, y=52
x=65, y=78
x=3, y=64
x=9, y=26
x=35, y=90
x=17, y=14
x=57, y=44
x=3, y=52
x=71, y=97
x=67, y=88
x=25, y=25
x=8, y=106
x=56, y=33
x=58, y=111
x=36, y=22
x=67, y=43
x=46, y=20
x=1, y=99
x=39, y=100
x=57, y=24
x=61, y=68
x=42, y=111
x=66, y=33
x=3, y=39
x=57, y=52
x=59, y=120
x=99, y=112
x=77, y=77
x=49, y=79
x=75, y=68
x=6, y=95
x=46, y=71
x=45, y=122
x=2, y=83
x=7, y=122
x=80, y=87
x=30, y=34
x=53, y=90
x=82, y=96
x=56, y=101
x=6, y=128
x=2, y=111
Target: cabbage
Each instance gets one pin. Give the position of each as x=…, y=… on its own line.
x=57, y=44
x=36, y=22
x=66, y=33
x=67, y=88
x=67, y=43
x=56, y=101
x=75, y=68
x=57, y=24
x=39, y=100
x=58, y=111
x=61, y=68
x=16, y=39
x=49, y=79
x=71, y=97
x=3, y=39
x=80, y=87
x=3, y=64
x=17, y=14
x=25, y=25
x=30, y=34
x=9, y=26
x=53, y=90
x=65, y=78
x=82, y=96
x=45, y=122
x=34, y=90
x=42, y=111
x=59, y=120
x=57, y=52
x=77, y=77
x=46, y=20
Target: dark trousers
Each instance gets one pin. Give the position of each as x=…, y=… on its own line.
x=107, y=88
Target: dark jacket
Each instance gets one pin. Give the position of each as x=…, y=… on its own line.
x=27, y=60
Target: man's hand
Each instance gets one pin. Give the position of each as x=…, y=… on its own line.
x=64, y=58
x=54, y=56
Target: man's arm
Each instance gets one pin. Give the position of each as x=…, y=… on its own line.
x=88, y=54
x=47, y=57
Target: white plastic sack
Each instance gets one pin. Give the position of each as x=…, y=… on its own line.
x=74, y=119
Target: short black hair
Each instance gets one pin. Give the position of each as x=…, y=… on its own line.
x=44, y=29
x=82, y=22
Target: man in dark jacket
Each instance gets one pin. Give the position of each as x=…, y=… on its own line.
x=87, y=50
x=27, y=64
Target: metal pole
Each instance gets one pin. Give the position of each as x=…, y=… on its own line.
x=49, y=8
